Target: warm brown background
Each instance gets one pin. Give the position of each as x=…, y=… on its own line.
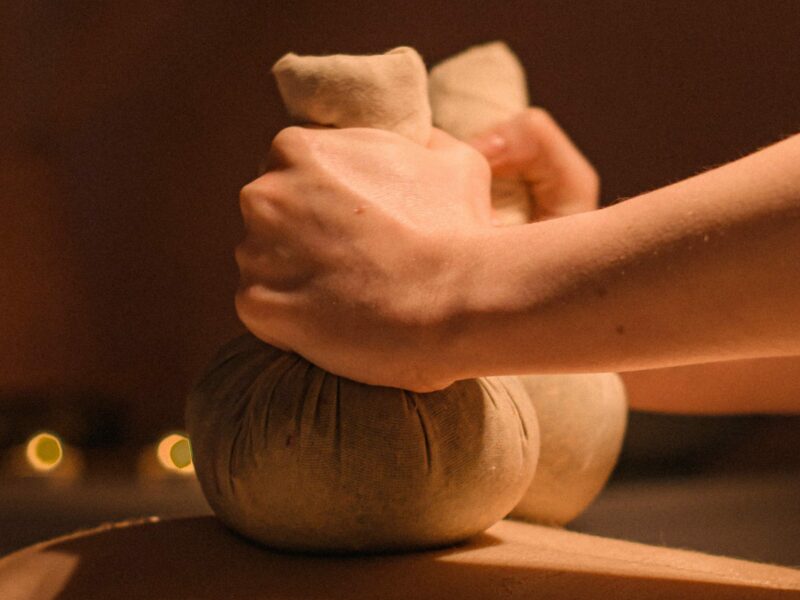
x=126, y=130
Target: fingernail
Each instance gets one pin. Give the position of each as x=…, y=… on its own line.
x=491, y=146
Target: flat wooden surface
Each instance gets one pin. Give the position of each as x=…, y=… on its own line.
x=198, y=558
x=750, y=517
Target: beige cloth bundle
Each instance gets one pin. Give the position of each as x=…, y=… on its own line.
x=582, y=420
x=298, y=458
x=387, y=91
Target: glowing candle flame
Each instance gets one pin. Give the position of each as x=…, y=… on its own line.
x=44, y=451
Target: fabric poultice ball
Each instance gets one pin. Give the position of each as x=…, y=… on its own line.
x=582, y=420
x=297, y=458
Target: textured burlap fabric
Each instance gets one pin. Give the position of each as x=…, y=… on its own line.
x=582, y=421
x=296, y=458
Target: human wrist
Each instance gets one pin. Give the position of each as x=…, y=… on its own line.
x=484, y=294
x=523, y=304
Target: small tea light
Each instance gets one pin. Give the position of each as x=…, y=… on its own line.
x=44, y=452
x=174, y=453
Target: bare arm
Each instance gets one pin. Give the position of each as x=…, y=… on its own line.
x=533, y=146
x=758, y=385
x=704, y=270
x=374, y=258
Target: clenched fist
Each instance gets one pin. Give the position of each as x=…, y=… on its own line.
x=357, y=251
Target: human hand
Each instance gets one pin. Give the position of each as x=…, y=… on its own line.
x=356, y=253
x=532, y=146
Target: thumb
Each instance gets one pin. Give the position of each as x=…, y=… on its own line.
x=513, y=147
x=492, y=144
x=534, y=147
x=441, y=140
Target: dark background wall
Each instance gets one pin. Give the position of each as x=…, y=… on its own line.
x=127, y=129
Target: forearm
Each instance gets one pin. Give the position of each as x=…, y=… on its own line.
x=704, y=270
x=761, y=385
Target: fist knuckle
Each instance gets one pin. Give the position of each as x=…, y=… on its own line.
x=481, y=169
x=536, y=115
x=592, y=177
x=249, y=196
x=254, y=300
x=535, y=120
x=290, y=145
x=289, y=138
x=250, y=314
x=243, y=254
x=466, y=158
x=476, y=163
x=243, y=302
x=262, y=200
x=585, y=176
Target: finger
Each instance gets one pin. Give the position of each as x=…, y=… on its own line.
x=275, y=265
x=275, y=157
x=530, y=139
x=272, y=161
x=292, y=145
x=467, y=159
x=533, y=146
x=491, y=144
x=257, y=202
x=441, y=140
x=276, y=204
x=264, y=313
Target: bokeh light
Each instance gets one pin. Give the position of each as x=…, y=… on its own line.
x=44, y=451
x=174, y=453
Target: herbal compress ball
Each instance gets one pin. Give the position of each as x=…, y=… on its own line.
x=296, y=458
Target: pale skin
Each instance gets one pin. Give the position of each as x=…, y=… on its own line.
x=377, y=259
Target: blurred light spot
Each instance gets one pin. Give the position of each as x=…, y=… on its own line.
x=44, y=451
x=175, y=454
x=181, y=453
